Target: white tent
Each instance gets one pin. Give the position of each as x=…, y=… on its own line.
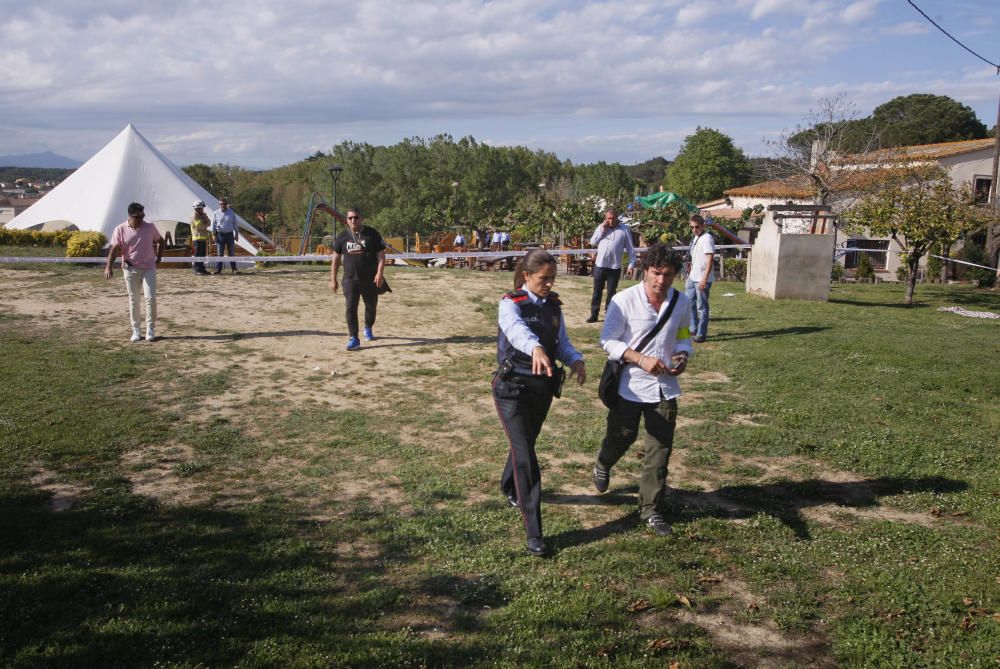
x=128, y=169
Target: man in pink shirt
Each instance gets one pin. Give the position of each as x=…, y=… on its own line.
x=140, y=245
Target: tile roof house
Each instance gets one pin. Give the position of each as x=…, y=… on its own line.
x=968, y=162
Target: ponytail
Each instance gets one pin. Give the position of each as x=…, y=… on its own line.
x=531, y=262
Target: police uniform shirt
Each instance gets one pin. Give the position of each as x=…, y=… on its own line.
x=523, y=339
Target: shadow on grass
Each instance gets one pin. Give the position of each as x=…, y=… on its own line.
x=782, y=500
x=917, y=304
x=236, y=336
x=380, y=341
x=768, y=334
x=974, y=300
x=132, y=584
x=785, y=500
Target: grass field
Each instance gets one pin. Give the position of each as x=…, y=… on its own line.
x=835, y=495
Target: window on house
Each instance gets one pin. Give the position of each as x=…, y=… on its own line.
x=981, y=189
x=879, y=253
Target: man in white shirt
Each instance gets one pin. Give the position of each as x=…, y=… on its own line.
x=701, y=276
x=611, y=241
x=648, y=387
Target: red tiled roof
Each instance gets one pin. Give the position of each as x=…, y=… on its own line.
x=792, y=187
x=918, y=152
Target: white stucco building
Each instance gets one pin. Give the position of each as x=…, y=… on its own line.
x=969, y=163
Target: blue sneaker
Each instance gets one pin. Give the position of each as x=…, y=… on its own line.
x=368, y=334
x=353, y=344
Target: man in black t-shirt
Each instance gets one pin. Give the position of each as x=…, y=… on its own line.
x=362, y=252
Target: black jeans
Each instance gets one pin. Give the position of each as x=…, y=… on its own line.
x=523, y=403
x=603, y=275
x=224, y=241
x=200, y=250
x=623, y=429
x=356, y=290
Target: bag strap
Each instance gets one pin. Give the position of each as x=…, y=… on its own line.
x=660, y=323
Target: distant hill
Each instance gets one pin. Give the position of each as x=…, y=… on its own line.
x=44, y=159
x=11, y=174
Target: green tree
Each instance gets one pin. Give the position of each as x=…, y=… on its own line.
x=807, y=154
x=923, y=118
x=254, y=204
x=669, y=224
x=707, y=165
x=609, y=181
x=916, y=206
x=201, y=173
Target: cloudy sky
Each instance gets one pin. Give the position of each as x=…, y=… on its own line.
x=262, y=84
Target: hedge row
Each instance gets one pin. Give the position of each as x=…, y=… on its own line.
x=78, y=244
x=10, y=237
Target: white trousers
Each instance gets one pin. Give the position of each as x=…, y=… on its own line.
x=147, y=278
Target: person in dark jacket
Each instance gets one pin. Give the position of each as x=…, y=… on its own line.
x=531, y=338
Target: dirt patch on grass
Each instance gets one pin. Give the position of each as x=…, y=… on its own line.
x=161, y=472
x=738, y=627
x=63, y=495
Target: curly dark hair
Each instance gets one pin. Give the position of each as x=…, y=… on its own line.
x=661, y=254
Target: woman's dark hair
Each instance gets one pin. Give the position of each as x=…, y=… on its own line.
x=531, y=262
x=661, y=255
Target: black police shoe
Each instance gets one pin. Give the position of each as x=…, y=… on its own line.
x=537, y=547
x=512, y=501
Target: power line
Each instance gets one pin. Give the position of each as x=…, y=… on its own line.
x=953, y=39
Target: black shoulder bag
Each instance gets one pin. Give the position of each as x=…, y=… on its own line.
x=607, y=388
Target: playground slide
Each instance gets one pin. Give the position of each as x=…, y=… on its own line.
x=724, y=232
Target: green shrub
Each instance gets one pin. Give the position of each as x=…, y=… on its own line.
x=837, y=272
x=10, y=237
x=864, y=270
x=85, y=245
x=903, y=273
x=735, y=269
x=934, y=265
x=983, y=278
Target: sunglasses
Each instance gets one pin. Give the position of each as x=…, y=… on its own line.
x=353, y=218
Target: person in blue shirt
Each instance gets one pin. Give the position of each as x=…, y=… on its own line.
x=531, y=338
x=226, y=230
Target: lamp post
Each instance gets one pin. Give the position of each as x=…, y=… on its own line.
x=335, y=171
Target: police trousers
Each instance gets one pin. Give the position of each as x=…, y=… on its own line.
x=523, y=403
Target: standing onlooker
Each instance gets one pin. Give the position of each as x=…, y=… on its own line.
x=227, y=232
x=459, y=241
x=611, y=240
x=532, y=336
x=199, y=235
x=140, y=245
x=701, y=276
x=648, y=388
x=362, y=251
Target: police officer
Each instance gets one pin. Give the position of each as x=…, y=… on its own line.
x=531, y=337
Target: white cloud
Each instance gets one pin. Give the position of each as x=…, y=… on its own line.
x=862, y=10
x=265, y=84
x=906, y=29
